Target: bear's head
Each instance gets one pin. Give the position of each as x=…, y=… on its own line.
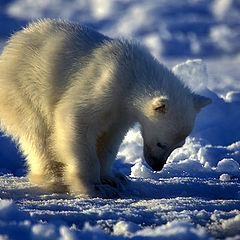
x=165, y=124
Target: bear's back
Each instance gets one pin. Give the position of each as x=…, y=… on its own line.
x=38, y=61
x=46, y=44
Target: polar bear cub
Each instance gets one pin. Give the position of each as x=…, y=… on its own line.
x=68, y=96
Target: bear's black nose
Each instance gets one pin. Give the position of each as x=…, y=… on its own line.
x=157, y=167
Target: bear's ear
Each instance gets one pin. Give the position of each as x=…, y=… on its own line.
x=160, y=104
x=200, y=101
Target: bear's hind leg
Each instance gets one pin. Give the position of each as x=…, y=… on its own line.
x=43, y=169
x=31, y=129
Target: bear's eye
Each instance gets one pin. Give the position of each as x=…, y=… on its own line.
x=162, y=146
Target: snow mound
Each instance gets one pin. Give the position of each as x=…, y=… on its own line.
x=173, y=230
x=229, y=165
x=139, y=170
x=127, y=229
x=193, y=73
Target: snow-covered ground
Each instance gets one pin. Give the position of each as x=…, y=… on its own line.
x=197, y=194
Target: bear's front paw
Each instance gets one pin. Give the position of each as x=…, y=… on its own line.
x=113, y=182
x=96, y=190
x=105, y=191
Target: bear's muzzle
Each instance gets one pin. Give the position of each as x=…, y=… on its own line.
x=155, y=162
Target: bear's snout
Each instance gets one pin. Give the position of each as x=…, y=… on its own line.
x=157, y=166
x=155, y=162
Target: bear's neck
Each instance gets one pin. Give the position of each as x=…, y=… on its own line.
x=161, y=82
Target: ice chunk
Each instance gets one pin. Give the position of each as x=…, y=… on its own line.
x=125, y=228
x=225, y=177
x=139, y=170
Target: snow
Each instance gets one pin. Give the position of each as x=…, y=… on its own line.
x=221, y=7
x=233, y=96
x=173, y=211
x=229, y=164
x=193, y=73
x=197, y=193
x=225, y=177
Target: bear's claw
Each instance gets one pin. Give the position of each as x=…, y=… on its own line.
x=113, y=182
x=124, y=180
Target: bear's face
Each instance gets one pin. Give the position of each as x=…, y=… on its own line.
x=166, y=125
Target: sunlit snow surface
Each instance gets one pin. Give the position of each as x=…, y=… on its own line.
x=197, y=194
x=149, y=206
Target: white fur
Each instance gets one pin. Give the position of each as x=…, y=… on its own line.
x=69, y=94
